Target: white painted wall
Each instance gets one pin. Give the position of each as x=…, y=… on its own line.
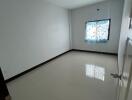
x=124, y=32
x=70, y=28
x=31, y=32
x=109, y=9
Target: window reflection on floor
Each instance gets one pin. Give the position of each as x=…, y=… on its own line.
x=94, y=71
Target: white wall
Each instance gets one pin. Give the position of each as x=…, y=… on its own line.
x=124, y=32
x=31, y=32
x=109, y=9
x=70, y=28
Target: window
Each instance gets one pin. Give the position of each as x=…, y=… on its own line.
x=97, y=31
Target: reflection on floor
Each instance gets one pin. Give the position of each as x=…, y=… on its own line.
x=94, y=71
x=74, y=76
x=130, y=93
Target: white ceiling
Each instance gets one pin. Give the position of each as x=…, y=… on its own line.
x=71, y=4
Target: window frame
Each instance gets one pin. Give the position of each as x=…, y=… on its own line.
x=109, y=30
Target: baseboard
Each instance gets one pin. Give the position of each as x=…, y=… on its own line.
x=95, y=52
x=39, y=65
x=35, y=67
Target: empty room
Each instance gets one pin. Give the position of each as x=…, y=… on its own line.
x=65, y=49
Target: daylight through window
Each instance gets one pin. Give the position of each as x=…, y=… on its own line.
x=98, y=31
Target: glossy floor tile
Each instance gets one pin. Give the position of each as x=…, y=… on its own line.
x=73, y=76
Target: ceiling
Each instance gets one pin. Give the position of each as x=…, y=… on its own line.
x=72, y=4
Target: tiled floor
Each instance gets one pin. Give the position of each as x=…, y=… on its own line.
x=73, y=76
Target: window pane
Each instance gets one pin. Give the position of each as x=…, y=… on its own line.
x=91, y=31
x=97, y=31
